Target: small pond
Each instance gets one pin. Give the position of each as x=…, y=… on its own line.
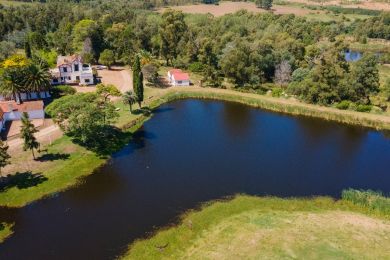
x=190, y=152
x=353, y=55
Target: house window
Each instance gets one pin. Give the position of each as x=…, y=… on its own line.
x=179, y=82
x=87, y=81
x=76, y=67
x=55, y=80
x=65, y=69
x=78, y=78
x=68, y=78
x=62, y=78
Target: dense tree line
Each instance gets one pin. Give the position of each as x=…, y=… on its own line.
x=259, y=52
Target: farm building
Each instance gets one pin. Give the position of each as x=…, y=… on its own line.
x=12, y=111
x=177, y=77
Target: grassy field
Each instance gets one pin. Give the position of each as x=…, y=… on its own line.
x=384, y=73
x=373, y=45
x=5, y=231
x=71, y=161
x=14, y=3
x=272, y=228
x=298, y=9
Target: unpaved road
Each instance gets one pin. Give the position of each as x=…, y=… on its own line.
x=118, y=76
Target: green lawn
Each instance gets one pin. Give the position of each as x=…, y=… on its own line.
x=272, y=228
x=9, y=3
x=384, y=73
x=73, y=162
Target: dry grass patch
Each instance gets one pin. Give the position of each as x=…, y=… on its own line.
x=232, y=7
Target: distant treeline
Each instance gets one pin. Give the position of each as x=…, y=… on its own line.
x=258, y=52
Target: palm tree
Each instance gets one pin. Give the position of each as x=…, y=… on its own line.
x=129, y=98
x=36, y=79
x=11, y=83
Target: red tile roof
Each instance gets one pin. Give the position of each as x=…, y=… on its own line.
x=9, y=106
x=67, y=60
x=181, y=76
x=173, y=71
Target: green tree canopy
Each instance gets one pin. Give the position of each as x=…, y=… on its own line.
x=107, y=57
x=4, y=156
x=172, y=29
x=28, y=130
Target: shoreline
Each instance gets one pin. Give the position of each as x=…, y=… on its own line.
x=195, y=227
x=280, y=105
x=70, y=173
x=164, y=96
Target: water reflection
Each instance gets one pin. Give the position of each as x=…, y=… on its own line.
x=194, y=151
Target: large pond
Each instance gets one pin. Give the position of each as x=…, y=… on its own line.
x=194, y=151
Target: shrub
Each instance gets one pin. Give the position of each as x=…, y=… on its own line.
x=62, y=90
x=363, y=108
x=343, y=105
x=277, y=92
x=369, y=199
x=196, y=67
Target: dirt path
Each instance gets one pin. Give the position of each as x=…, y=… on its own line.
x=118, y=76
x=44, y=136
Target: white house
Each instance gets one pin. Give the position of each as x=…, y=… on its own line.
x=12, y=111
x=71, y=70
x=177, y=77
x=26, y=96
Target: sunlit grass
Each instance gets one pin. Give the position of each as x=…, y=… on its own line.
x=5, y=231
x=254, y=227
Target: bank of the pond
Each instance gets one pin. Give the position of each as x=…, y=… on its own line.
x=5, y=231
x=71, y=163
x=255, y=227
x=78, y=162
x=379, y=122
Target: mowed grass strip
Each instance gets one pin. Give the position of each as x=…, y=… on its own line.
x=252, y=228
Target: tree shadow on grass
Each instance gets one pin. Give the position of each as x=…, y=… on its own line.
x=53, y=157
x=105, y=140
x=21, y=180
x=142, y=111
x=108, y=140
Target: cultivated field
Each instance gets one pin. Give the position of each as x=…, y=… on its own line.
x=289, y=8
x=231, y=7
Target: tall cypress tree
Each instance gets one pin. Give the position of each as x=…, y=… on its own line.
x=138, y=81
x=27, y=48
x=4, y=156
x=28, y=130
x=140, y=88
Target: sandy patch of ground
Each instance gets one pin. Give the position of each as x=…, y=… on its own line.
x=232, y=7
x=118, y=76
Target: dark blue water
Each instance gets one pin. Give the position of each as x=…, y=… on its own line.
x=191, y=152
